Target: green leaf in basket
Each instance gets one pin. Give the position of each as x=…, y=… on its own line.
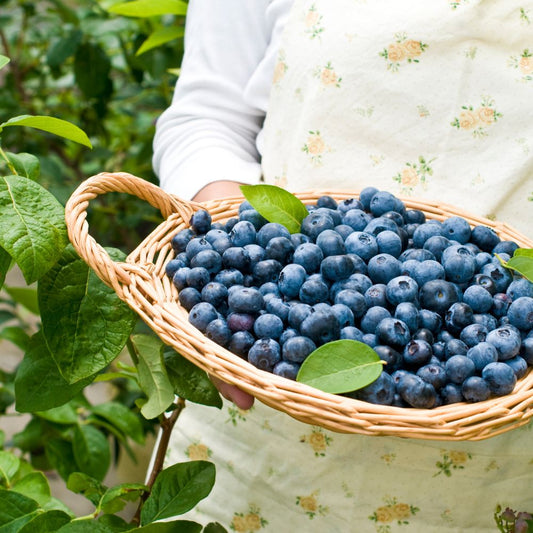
x=85, y=323
x=276, y=205
x=341, y=366
x=522, y=262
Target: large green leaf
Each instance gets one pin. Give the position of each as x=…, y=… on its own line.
x=9, y=464
x=153, y=377
x=276, y=205
x=84, y=484
x=14, y=506
x=26, y=165
x=39, y=386
x=340, y=366
x=58, y=127
x=86, y=526
x=522, y=262
x=190, y=382
x=61, y=456
x=32, y=226
x=91, y=451
x=48, y=522
x=176, y=526
x=25, y=296
x=178, y=489
x=85, y=324
x=149, y=8
x=35, y=486
x=159, y=37
x=122, y=418
x=16, y=335
x=116, y=497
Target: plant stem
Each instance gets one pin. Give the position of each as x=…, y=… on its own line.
x=167, y=424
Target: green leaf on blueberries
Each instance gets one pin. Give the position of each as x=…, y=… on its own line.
x=178, y=489
x=522, y=262
x=340, y=366
x=32, y=226
x=149, y=8
x=276, y=205
x=58, y=127
x=153, y=376
x=190, y=382
x=91, y=451
x=26, y=165
x=85, y=323
x=38, y=383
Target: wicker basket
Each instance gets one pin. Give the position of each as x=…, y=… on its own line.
x=141, y=282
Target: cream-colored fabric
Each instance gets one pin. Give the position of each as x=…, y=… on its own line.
x=426, y=98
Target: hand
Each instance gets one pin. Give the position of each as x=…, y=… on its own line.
x=221, y=189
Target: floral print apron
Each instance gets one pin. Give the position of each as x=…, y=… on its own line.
x=432, y=99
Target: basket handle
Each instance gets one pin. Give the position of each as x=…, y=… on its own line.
x=111, y=272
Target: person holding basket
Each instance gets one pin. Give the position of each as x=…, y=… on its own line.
x=431, y=100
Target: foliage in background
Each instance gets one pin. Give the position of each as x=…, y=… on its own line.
x=66, y=66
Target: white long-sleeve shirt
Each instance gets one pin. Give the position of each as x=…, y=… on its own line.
x=212, y=129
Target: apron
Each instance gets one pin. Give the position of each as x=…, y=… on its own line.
x=429, y=99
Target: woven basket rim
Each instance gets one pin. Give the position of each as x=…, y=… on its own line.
x=141, y=282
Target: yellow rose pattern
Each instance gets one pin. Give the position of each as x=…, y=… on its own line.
x=478, y=119
x=248, y=522
x=198, y=452
x=393, y=512
x=311, y=506
x=315, y=147
x=318, y=440
x=452, y=460
x=313, y=22
x=414, y=174
x=402, y=50
x=523, y=63
x=327, y=76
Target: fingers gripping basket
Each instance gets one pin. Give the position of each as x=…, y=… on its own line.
x=141, y=282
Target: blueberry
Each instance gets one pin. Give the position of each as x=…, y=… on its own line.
x=214, y=293
x=269, y=231
x=208, y=259
x=457, y=229
x=518, y=288
x=383, y=267
x=392, y=357
x=389, y=242
x=520, y=313
x=343, y=314
x=362, y=244
x=228, y=226
x=417, y=353
x=478, y=298
x=375, y=295
x=280, y=249
x=214, y=234
x=485, y=238
x=453, y=347
x=380, y=224
x=427, y=270
x=393, y=332
x=241, y=342
x=296, y=349
x=486, y=320
x=252, y=216
x=350, y=203
x=264, y=354
x=343, y=230
x=482, y=354
x=245, y=205
x=424, y=334
x=359, y=264
x=458, y=316
x=354, y=300
x=358, y=282
x=179, y=279
x=200, y=221
x=500, y=378
x=438, y=295
x=321, y=327
x=245, y=300
x=335, y=215
x=499, y=274
x=473, y=334
x=451, y=393
x=313, y=290
x=299, y=238
x=434, y=374
x=459, y=268
x=287, y=334
x=429, y=320
x=196, y=245
x=218, y=331
x=352, y=333
x=240, y=321
x=416, y=254
x=357, y=219
x=336, y=267
x=286, y=369
x=229, y=277
x=526, y=350
x=506, y=340
x=181, y=239
x=330, y=242
x=401, y=289
x=266, y=270
x=381, y=202
x=485, y=282
x=297, y=314
x=507, y=247
x=395, y=216
x=372, y=318
x=315, y=223
x=519, y=366
x=425, y=231
x=408, y=313
x=197, y=277
x=243, y=233
x=308, y=255
x=500, y=305
x=189, y=297
x=291, y=279
x=370, y=339
x=366, y=195
x=475, y=389
x=326, y=201
x=380, y=392
x=458, y=368
x=201, y=315
x=173, y=266
x=414, y=216
x=417, y=392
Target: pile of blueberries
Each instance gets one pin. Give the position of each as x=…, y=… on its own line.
x=431, y=298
